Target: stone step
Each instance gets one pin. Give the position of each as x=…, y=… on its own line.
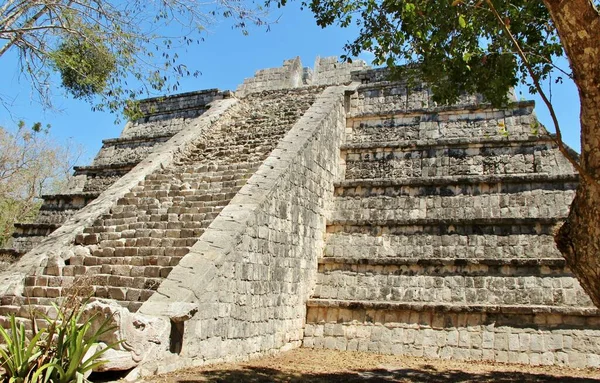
x=95, y=170
x=117, y=287
x=499, y=333
x=207, y=169
x=95, y=266
x=147, y=218
x=453, y=204
x=34, y=229
x=143, y=228
x=452, y=185
x=515, y=122
x=68, y=201
x=9, y=255
x=198, y=184
x=171, y=257
x=208, y=194
x=137, y=249
x=97, y=183
x=137, y=139
x=443, y=226
x=443, y=266
x=127, y=150
x=527, y=241
x=198, y=176
x=590, y=314
x=23, y=244
x=54, y=216
x=444, y=158
x=141, y=236
x=457, y=284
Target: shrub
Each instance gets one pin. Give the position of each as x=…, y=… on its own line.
x=63, y=352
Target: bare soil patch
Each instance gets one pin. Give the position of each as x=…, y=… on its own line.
x=320, y=366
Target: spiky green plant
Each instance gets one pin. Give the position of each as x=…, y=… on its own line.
x=71, y=350
x=19, y=355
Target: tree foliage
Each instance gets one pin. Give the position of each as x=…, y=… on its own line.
x=458, y=46
x=118, y=50
x=31, y=164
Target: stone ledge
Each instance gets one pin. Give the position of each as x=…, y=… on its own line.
x=165, y=105
x=95, y=170
x=454, y=109
x=37, y=225
x=444, y=267
x=135, y=139
x=452, y=142
x=10, y=252
x=453, y=180
x=70, y=196
x=103, y=168
x=514, y=262
x=488, y=309
x=449, y=222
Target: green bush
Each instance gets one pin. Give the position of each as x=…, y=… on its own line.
x=19, y=355
x=63, y=352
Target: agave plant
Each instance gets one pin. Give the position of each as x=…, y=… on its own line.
x=71, y=351
x=66, y=351
x=19, y=355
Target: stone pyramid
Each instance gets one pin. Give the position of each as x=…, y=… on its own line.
x=326, y=208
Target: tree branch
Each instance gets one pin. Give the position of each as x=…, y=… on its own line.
x=557, y=138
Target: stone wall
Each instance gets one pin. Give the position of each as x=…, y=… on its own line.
x=330, y=71
x=516, y=122
x=286, y=77
x=508, y=335
x=440, y=159
x=129, y=151
x=179, y=103
x=400, y=97
x=326, y=71
x=252, y=271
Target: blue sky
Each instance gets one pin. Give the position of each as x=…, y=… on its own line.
x=225, y=58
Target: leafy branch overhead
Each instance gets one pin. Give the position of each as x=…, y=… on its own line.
x=459, y=45
x=103, y=47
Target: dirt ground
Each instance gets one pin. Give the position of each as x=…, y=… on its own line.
x=307, y=365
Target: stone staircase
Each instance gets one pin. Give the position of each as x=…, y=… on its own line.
x=439, y=242
x=128, y=252
x=162, y=118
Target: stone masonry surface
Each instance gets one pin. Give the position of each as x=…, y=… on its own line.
x=439, y=242
x=252, y=270
x=164, y=117
x=128, y=252
x=329, y=208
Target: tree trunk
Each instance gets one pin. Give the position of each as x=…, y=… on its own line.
x=578, y=25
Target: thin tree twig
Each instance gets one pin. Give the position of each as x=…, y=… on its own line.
x=557, y=138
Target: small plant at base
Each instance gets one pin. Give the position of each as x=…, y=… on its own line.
x=66, y=351
x=18, y=356
x=69, y=345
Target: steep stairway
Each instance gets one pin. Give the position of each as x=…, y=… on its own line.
x=439, y=242
x=162, y=118
x=127, y=253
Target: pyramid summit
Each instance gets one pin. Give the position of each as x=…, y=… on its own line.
x=326, y=208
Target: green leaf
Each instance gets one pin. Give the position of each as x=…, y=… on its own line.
x=461, y=21
x=467, y=56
